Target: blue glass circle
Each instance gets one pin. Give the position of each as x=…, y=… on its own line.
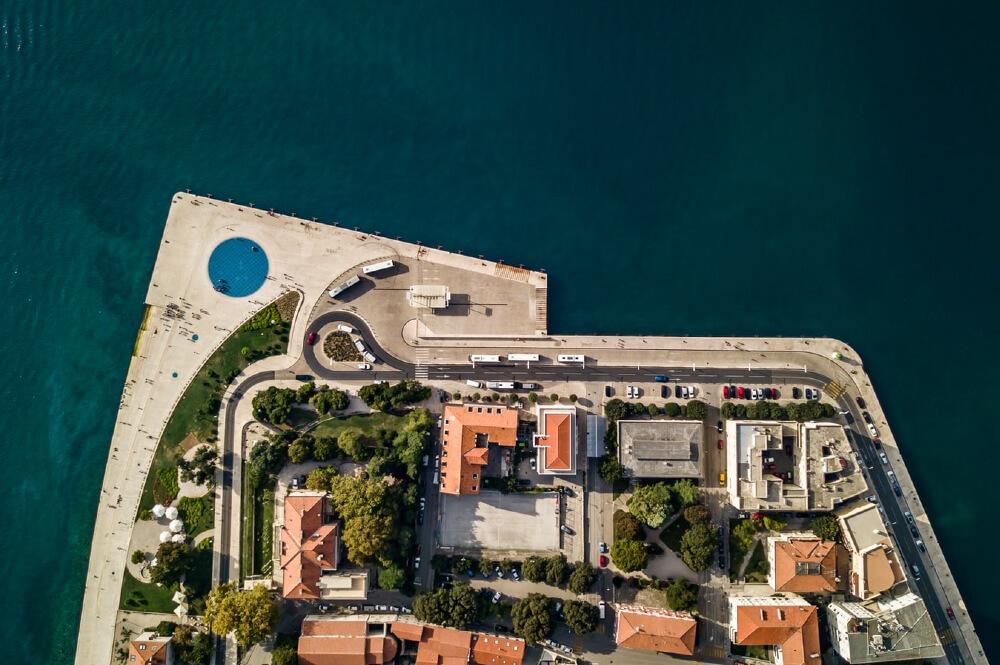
x=237, y=267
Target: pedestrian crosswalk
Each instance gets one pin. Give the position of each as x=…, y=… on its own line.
x=834, y=389
x=946, y=637
x=420, y=373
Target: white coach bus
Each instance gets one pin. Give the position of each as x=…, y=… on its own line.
x=570, y=359
x=337, y=290
x=375, y=267
x=523, y=357
x=484, y=359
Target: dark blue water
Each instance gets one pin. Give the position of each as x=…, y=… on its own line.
x=704, y=168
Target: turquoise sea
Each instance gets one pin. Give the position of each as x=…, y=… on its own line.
x=796, y=168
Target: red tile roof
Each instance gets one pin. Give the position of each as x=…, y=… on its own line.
x=654, y=629
x=148, y=649
x=308, y=546
x=467, y=432
x=557, y=442
x=343, y=643
x=805, y=565
x=793, y=628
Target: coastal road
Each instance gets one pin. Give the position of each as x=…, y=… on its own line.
x=591, y=372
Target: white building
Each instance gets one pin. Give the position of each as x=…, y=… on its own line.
x=884, y=631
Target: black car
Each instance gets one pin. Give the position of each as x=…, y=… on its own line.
x=796, y=393
x=867, y=416
x=896, y=489
x=677, y=392
x=608, y=391
x=860, y=401
x=664, y=392
x=305, y=377
x=914, y=532
x=718, y=425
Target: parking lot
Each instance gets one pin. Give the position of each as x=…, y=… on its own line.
x=502, y=523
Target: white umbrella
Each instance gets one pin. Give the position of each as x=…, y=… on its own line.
x=158, y=511
x=180, y=610
x=176, y=526
x=178, y=538
x=171, y=513
x=178, y=597
x=164, y=536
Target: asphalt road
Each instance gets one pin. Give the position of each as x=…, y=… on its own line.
x=539, y=372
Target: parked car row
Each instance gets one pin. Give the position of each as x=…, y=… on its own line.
x=742, y=392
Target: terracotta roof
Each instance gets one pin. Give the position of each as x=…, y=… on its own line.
x=805, y=565
x=557, y=442
x=148, y=649
x=466, y=434
x=879, y=575
x=793, y=628
x=308, y=546
x=496, y=650
x=654, y=629
x=343, y=643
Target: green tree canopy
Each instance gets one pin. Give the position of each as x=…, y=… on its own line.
x=652, y=410
x=629, y=555
x=353, y=443
x=300, y=450
x=326, y=400
x=610, y=469
x=284, y=655
x=252, y=614
x=369, y=513
x=686, y=492
x=582, y=577
x=672, y=409
x=200, y=469
x=456, y=607
x=325, y=448
x=391, y=577
x=825, y=527
x=173, y=560
x=698, y=546
x=682, y=596
x=532, y=618
x=697, y=410
x=627, y=526
x=318, y=480
x=274, y=405
x=385, y=396
x=616, y=409
x=556, y=570
x=650, y=504
x=697, y=513
x=533, y=569
x=581, y=617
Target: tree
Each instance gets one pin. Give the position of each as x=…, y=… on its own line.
x=671, y=409
x=326, y=400
x=384, y=396
x=698, y=546
x=581, y=578
x=610, y=469
x=686, y=492
x=727, y=410
x=652, y=410
x=391, y=577
x=825, y=527
x=324, y=448
x=274, y=405
x=460, y=565
x=627, y=527
x=650, y=504
x=200, y=470
x=173, y=560
x=682, y=596
x=192, y=648
x=580, y=616
x=533, y=569
x=456, y=607
x=284, y=655
x=533, y=398
x=554, y=397
x=573, y=398
x=629, y=555
x=369, y=513
x=304, y=392
x=697, y=410
x=532, y=618
x=697, y=513
x=252, y=614
x=774, y=523
x=318, y=480
x=300, y=450
x=486, y=566
x=456, y=396
x=616, y=409
x=138, y=557
x=556, y=570
x=353, y=443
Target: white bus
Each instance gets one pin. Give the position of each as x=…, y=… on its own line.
x=500, y=385
x=375, y=267
x=484, y=359
x=523, y=357
x=570, y=359
x=337, y=290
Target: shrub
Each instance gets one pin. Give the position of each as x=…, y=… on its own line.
x=825, y=527
x=138, y=557
x=671, y=409
x=627, y=527
x=629, y=555
x=682, y=596
x=697, y=513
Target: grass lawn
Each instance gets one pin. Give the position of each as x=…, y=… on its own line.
x=199, y=581
x=758, y=652
x=368, y=423
x=197, y=411
x=671, y=536
x=737, y=550
x=263, y=529
x=141, y=597
x=758, y=566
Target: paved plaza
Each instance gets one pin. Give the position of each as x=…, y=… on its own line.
x=499, y=522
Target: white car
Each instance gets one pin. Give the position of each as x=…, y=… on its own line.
x=497, y=597
x=629, y=392
x=364, y=366
x=685, y=392
x=343, y=327
x=753, y=393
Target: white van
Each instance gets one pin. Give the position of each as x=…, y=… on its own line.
x=600, y=608
x=474, y=384
x=343, y=327
x=369, y=357
x=437, y=477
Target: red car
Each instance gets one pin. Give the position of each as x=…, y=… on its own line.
x=725, y=392
x=951, y=615
x=311, y=338
x=720, y=444
x=739, y=392
x=603, y=561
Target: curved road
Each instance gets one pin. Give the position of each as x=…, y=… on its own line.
x=876, y=472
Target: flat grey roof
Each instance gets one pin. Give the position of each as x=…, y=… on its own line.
x=660, y=448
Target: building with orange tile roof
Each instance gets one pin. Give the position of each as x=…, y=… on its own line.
x=875, y=567
x=466, y=434
x=151, y=649
x=654, y=629
x=556, y=440
x=379, y=639
x=790, y=625
x=308, y=543
x=802, y=564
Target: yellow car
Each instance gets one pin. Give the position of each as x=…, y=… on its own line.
x=722, y=479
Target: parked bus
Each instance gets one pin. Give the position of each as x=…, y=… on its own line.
x=375, y=267
x=500, y=385
x=337, y=290
x=523, y=357
x=484, y=359
x=570, y=359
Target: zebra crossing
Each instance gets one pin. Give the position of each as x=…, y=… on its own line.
x=421, y=369
x=834, y=389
